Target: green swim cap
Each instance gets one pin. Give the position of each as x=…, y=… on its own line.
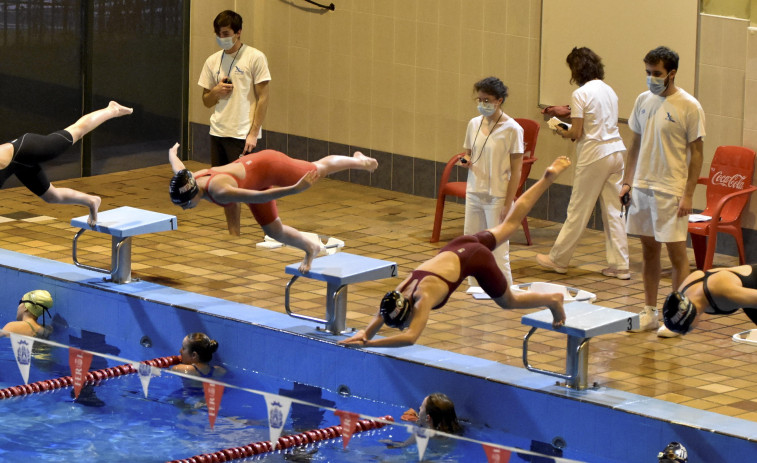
x=36, y=301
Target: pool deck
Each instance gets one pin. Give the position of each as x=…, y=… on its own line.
x=704, y=370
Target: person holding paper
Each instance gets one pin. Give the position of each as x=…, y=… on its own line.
x=258, y=179
x=429, y=286
x=664, y=162
x=599, y=167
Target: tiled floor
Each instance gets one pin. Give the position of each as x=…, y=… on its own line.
x=704, y=370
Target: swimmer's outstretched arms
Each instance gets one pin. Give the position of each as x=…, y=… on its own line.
x=429, y=287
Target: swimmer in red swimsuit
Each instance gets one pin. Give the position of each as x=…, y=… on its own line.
x=430, y=285
x=258, y=179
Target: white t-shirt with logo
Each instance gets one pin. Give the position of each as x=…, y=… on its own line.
x=667, y=125
x=597, y=104
x=489, y=171
x=231, y=116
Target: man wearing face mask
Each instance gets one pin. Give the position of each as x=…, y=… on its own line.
x=234, y=83
x=664, y=162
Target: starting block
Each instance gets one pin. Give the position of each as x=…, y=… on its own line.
x=338, y=270
x=583, y=321
x=121, y=224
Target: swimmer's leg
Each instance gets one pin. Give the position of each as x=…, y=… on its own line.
x=89, y=122
x=292, y=237
x=335, y=163
x=55, y=195
x=527, y=200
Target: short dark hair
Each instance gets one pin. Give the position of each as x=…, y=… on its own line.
x=227, y=18
x=585, y=65
x=492, y=86
x=668, y=57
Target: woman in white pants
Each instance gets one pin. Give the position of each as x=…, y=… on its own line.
x=494, y=158
x=599, y=167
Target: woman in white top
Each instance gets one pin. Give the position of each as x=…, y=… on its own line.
x=494, y=158
x=599, y=167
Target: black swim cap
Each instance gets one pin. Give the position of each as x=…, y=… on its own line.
x=183, y=187
x=678, y=313
x=395, y=309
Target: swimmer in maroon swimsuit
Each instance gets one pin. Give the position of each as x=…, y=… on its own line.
x=720, y=291
x=258, y=179
x=430, y=285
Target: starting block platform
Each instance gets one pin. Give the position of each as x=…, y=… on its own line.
x=583, y=321
x=338, y=270
x=122, y=224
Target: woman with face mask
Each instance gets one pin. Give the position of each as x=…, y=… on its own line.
x=599, y=167
x=494, y=158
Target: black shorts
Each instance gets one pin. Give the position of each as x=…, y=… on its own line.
x=31, y=149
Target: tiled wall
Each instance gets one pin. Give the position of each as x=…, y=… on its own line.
x=394, y=77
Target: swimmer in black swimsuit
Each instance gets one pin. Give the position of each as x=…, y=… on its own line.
x=430, y=285
x=22, y=157
x=196, y=353
x=720, y=291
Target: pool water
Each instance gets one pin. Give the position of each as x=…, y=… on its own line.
x=115, y=422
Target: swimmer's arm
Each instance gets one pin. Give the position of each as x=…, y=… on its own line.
x=226, y=193
x=173, y=159
x=409, y=336
x=233, y=213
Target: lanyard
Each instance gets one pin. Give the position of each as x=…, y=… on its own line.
x=228, y=74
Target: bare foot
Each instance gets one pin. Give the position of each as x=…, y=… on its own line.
x=556, y=168
x=120, y=110
x=174, y=150
x=94, y=205
x=558, y=312
x=369, y=164
x=313, y=250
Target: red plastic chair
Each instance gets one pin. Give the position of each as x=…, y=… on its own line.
x=447, y=188
x=729, y=187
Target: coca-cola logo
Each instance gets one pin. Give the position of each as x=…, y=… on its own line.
x=735, y=181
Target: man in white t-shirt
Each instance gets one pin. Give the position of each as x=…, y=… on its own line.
x=234, y=82
x=664, y=162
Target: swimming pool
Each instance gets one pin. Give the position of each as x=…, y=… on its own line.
x=144, y=320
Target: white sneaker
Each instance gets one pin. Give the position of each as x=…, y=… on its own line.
x=546, y=262
x=617, y=273
x=664, y=332
x=648, y=320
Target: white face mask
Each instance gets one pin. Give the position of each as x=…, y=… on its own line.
x=487, y=109
x=225, y=42
x=656, y=85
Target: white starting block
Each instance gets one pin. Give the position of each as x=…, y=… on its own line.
x=583, y=322
x=122, y=223
x=338, y=270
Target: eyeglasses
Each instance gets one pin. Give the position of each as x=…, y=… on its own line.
x=484, y=101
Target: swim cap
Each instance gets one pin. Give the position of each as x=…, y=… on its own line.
x=395, y=309
x=183, y=187
x=674, y=452
x=678, y=313
x=35, y=302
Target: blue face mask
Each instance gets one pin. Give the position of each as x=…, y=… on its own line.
x=225, y=42
x=656, y=85
x=487, y=109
